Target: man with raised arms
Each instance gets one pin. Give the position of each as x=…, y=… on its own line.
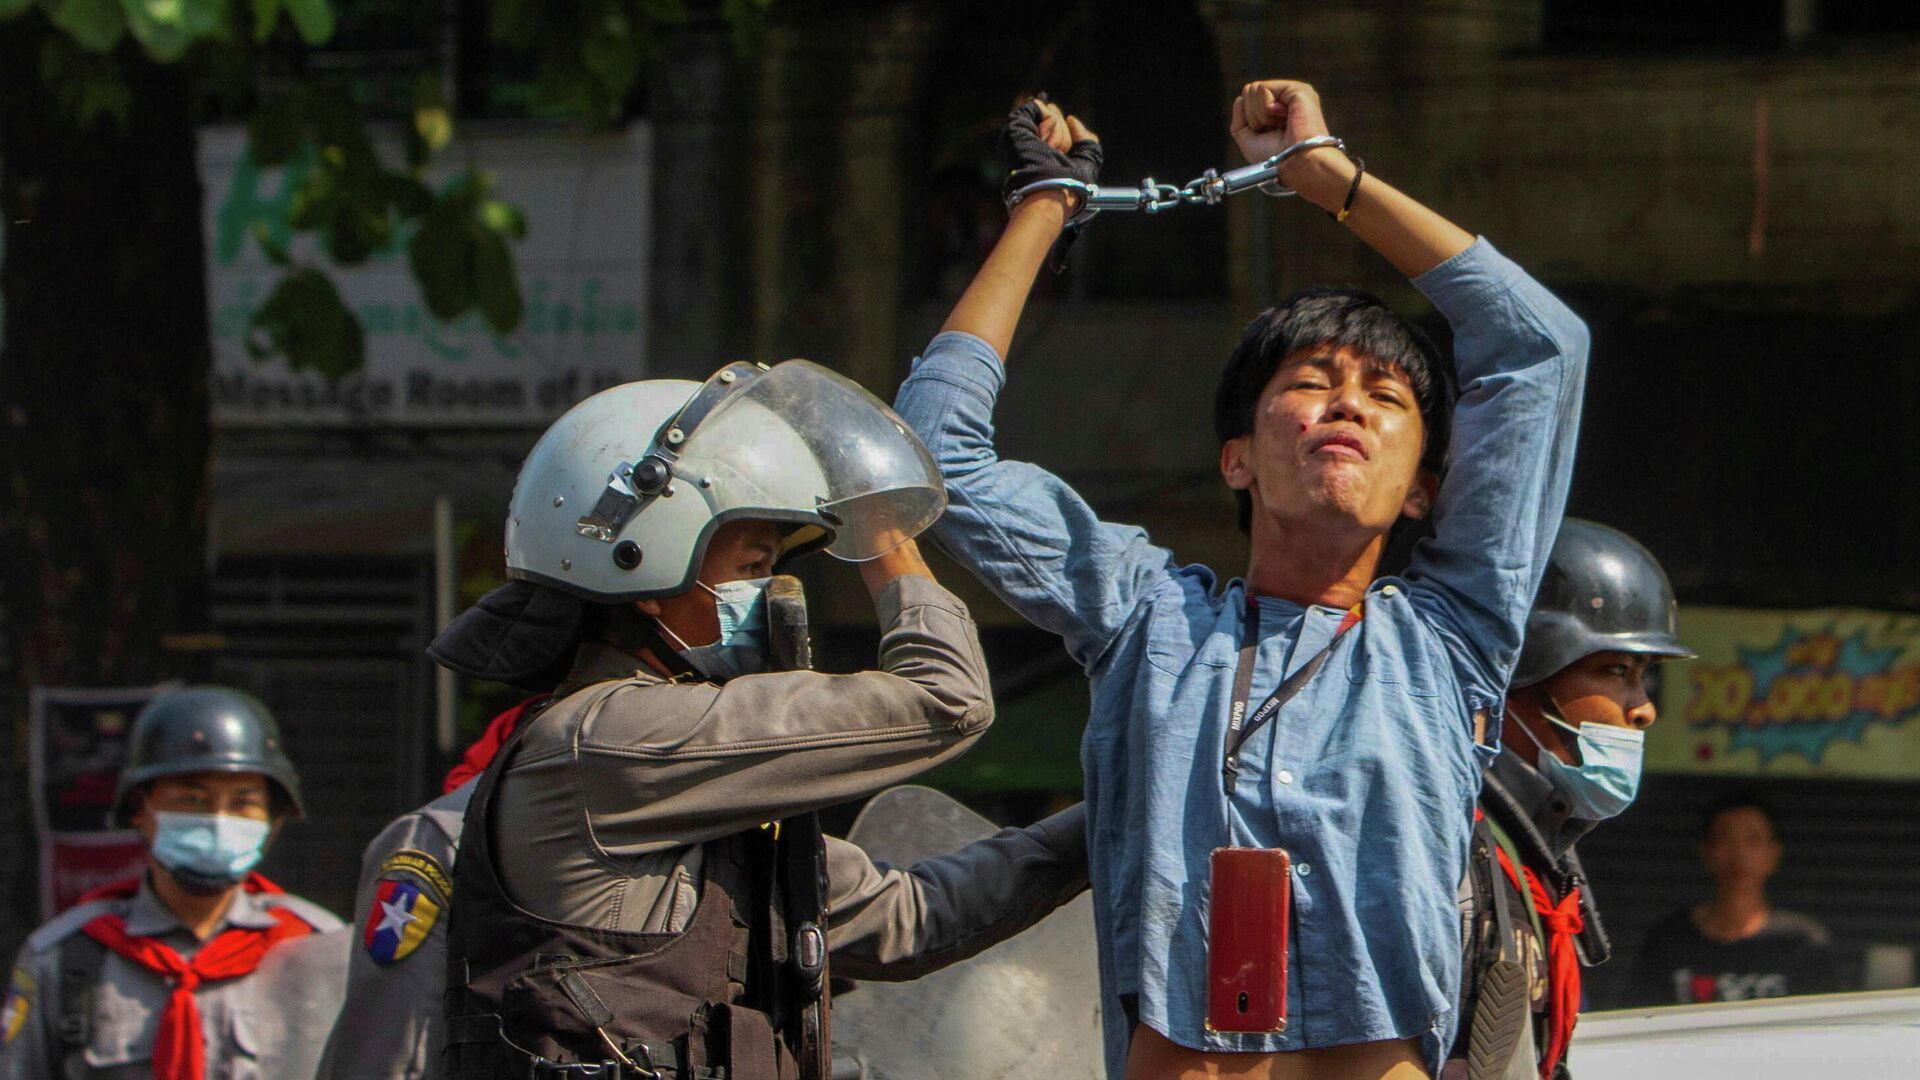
x=1333, y=416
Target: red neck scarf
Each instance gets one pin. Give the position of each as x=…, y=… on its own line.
x=481, y=753
x=179, y=1048
x=1561, y=922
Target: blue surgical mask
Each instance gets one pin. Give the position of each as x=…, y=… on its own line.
x=1608, y=776
x=741, y=648
x=217, y=849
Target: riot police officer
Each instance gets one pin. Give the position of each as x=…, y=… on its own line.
x=158, y=975
x=640, y=886
x=1575, y=723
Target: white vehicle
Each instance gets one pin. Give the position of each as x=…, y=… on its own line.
x=1864, y=1036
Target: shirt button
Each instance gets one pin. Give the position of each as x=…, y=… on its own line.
x=1285, y=776
x=1304, y=868
x=1390, y=590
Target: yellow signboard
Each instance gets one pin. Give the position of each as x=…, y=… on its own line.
x=1832, y=692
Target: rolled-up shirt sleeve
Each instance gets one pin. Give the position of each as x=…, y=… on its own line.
x=1020, y=529
x=891, y=924
x=661, y=766
x=1521, y=356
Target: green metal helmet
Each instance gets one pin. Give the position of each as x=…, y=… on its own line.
x=205, y=729
x=1602, y=592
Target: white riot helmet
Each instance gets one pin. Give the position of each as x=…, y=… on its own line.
x=618, y=499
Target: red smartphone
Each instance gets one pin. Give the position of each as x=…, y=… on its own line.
x=1251, y=893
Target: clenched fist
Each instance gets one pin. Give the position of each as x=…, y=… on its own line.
x=1040, y=142
x=1273, y=114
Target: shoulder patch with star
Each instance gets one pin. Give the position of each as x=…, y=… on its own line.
x=19, y=1002
x=412, y=862
x=412, y=893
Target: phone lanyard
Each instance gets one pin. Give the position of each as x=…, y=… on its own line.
x=1239, y=724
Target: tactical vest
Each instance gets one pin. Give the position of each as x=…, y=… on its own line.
x=1505, y=973
x=723, y=999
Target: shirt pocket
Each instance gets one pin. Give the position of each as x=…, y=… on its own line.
x=1177, y=635
x=1392, y=663
x=121, y=1043
x=249, y=1035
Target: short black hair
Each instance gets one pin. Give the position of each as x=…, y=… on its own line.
x=1342, y=318
x=1742, y=799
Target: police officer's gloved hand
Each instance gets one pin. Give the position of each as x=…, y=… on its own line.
x=1028, y=157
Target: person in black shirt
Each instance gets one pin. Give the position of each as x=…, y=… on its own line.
x=1737, y=946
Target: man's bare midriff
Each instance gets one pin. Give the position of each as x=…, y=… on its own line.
x=1155, y=1057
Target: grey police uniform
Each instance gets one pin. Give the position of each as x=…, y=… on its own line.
x=390, y=1027
x=929, y=705
x=614, y=788
x=103, y=1027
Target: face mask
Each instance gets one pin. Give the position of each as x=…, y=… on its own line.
x=208, y=852
x=741, y=648
x=1608, y=776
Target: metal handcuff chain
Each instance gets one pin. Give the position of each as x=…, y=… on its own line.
x=1209, y=189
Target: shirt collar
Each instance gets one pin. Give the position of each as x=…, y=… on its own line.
x=1530, y=789
x=596, y=661
x=148, y=917
x=250, y=910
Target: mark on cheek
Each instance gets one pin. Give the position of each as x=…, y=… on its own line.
x=1303, y=427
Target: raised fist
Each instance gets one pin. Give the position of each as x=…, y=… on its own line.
x=1040, y=142
x=1273, y=114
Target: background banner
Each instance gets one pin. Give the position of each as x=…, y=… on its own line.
x=1831, y=692
x=77, y=744
x=583, y=272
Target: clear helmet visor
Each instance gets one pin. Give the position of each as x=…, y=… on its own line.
x=805, y=441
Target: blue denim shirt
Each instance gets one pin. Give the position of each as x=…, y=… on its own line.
x=1368, y=776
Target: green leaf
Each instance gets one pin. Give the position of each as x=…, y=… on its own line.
x=276, y=130
x=340, y=127
x=96, y=25
x=89, y=87
x=432, y=116
x=461, y=258
x=612, y=61
x=306, y=321
x=442, y=255
x=495, y=282
x=504, y=219
x=313, y=199
x=275, y=251
x=352, y=234
x=266, y=18
x=168, y=28
x=407, y=196
x=313, y=18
